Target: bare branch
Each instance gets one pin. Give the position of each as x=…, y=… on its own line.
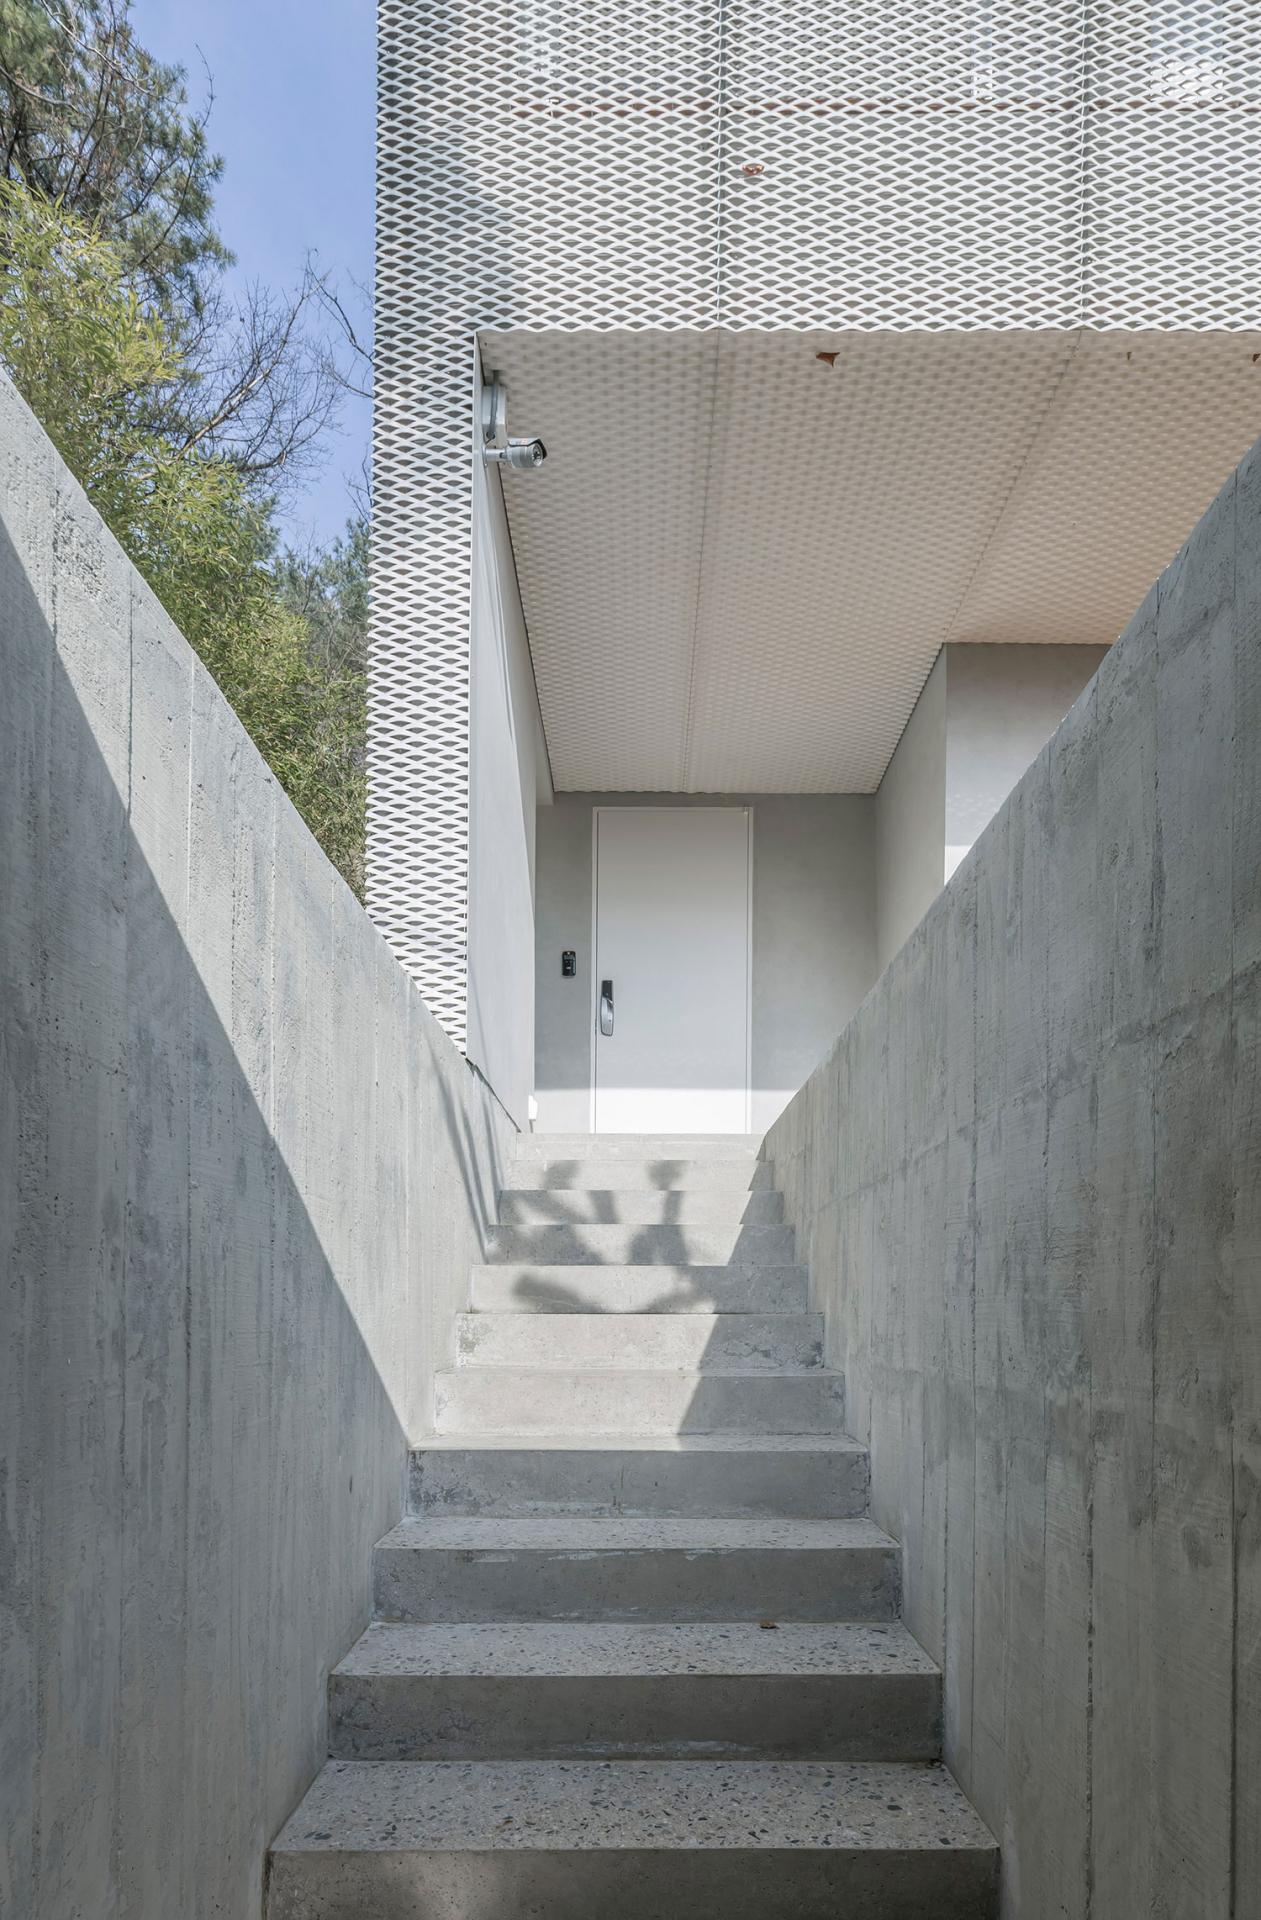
x=360, y=489
x=14, y=80
x=326, y=293
x=266, y=389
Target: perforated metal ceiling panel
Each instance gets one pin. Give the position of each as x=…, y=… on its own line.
x=870, y=165
x=739, y=562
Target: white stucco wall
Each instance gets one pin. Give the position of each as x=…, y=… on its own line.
x=839, y=880
x=1002, y=706
x=814, y=939
x=508, y=779
x=984, y=716
x=910, y=814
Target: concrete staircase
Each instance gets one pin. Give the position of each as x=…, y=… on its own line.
x=638, y=1652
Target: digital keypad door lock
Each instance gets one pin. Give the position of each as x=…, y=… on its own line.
x=568, y=964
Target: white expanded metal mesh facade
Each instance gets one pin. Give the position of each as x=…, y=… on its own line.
x=802, y=164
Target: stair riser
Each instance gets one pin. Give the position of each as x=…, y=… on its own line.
x=634, y=1884
x=530, y=1288
x=495, y=1400
x=678, y=1716
x=760, y=1343
x=753, y=1583
x=503, y=1482
x=644, y=1246
x=653, y=1176
x=637, y=1146
x=642, y=1207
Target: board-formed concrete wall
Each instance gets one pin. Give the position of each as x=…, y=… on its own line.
x=1028, y=1181
x=243, y=1177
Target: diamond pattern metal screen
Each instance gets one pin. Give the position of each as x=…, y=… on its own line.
x=795, y=164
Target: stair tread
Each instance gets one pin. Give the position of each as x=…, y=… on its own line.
x=669, y=1169
x=524, y=1189
x=730, y=1202
x=644, y=1176
x=645, y=1442
x=575, y=1634
x=607, y=1374
x=792, y=1315
x=707, y=1342
x=687, y=1270
x=581, y=1805
x=596, y=1269
x=524, y=1287
x=592, y=1649
x=631, y=1244
x=721, y=1398
x=587, y=1534
x=648, y=1145
x=609, y=1231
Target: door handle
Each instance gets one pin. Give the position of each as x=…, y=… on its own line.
x=606, y=1007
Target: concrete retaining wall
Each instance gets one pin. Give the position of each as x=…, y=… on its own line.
x=243, y=1178
x=1028, y=1181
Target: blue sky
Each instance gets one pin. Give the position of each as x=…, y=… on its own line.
x=294, y=86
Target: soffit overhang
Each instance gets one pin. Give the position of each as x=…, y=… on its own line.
x=741, y=560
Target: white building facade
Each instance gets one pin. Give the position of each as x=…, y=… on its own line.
x=883, y=355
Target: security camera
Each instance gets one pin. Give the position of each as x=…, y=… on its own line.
x=522, y=456
x=520, y=453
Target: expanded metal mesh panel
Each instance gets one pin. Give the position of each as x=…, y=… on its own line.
x=741, y=587
x=868, y=165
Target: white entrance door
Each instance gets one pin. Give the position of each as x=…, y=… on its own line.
x=672, y=948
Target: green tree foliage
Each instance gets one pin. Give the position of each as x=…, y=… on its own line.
x=182, y=411
x=328, y=593
x=90, y=121
x=99, y=367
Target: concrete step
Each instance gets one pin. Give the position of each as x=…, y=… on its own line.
x=555, y=1400
x=621, y=1245
x=639, y=1206
x=530, y=1147
x=719, y=1475
x=633, y=1840
x=439, y=1569
x=696, y=1342
x=595, y=1691
x=592, y=1171
x=523, y=1287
